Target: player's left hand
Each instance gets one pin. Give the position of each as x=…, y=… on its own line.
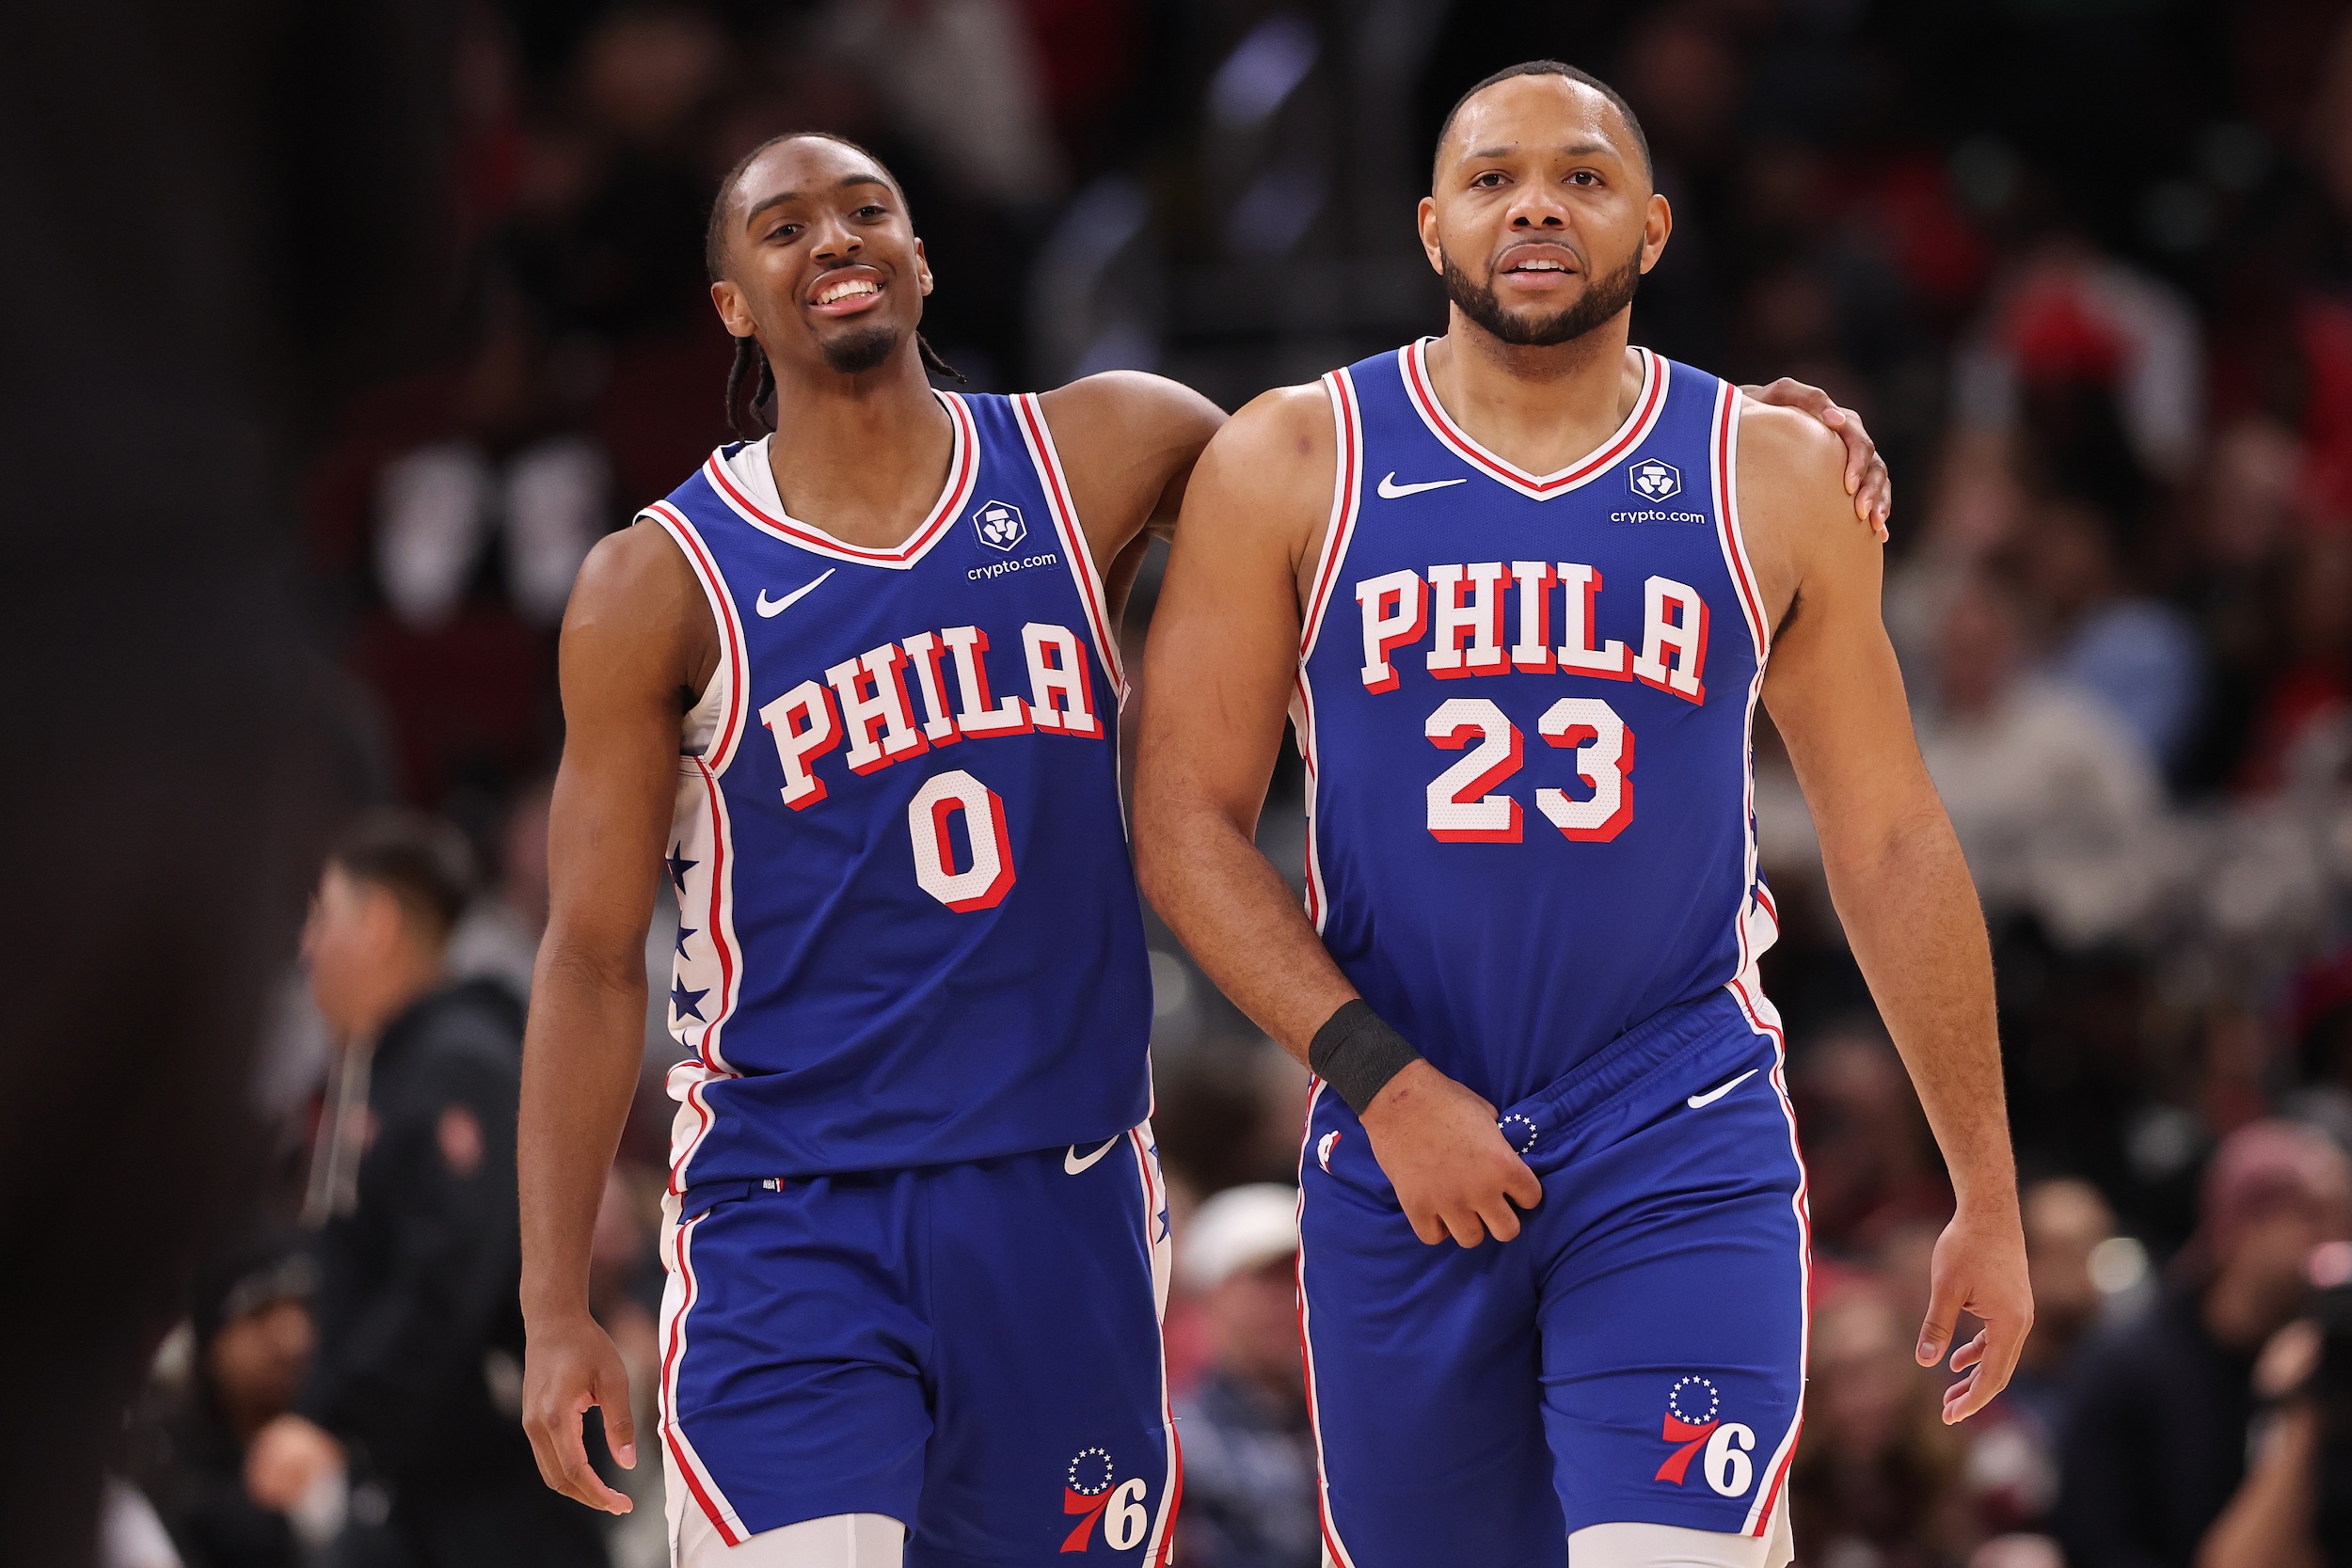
x=1866, y=479
x=1980, y=1269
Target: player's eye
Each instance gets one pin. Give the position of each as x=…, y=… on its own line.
x=784, y=230
x=1488, y=180
x=1583, y=177
x=871, y=210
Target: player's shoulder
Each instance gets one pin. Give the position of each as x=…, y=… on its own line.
x=1789, y=448
x=1286, y=426
x=1119, y=404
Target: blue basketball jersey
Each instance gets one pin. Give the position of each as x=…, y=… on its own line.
x=1524, y=701
x=909, y=931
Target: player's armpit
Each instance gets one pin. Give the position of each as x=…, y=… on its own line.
x=1128, y=442
x=1218, y=678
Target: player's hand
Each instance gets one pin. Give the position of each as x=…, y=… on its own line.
x=1866, y=479
x=286, y=1458
x=1454, y=1174
x=567, y=1367
x=1979, y=1268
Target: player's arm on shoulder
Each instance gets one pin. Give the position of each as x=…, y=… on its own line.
x=637, y=640
x=1895, y=871
x=1128, y=441
x=1217, y=681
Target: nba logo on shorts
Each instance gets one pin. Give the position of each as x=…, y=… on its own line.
x=1000, y=525
x=1654, y=480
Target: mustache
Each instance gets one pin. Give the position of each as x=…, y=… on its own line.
x=1604, y=296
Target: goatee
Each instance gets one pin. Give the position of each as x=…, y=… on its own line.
x=1603, y=299
x=855, y=352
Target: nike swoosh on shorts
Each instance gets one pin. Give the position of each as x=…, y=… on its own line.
x=1701, y=1101
x=768, y=607
x=1391, y=490
x=1075, y=1166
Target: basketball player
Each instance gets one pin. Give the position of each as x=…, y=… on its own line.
x=854, y=691
x=1515, y=586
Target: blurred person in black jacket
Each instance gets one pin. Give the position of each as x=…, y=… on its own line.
x=253, y=1337
x=420, y=1336
x=220, y=218
x=2154, y=1446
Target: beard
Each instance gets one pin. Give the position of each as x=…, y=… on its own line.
x=855, y=352
x=1603, y=297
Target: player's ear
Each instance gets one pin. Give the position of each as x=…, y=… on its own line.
x=729, y=300
x=922, y=269
x=1657, y=225
x=1429, y=242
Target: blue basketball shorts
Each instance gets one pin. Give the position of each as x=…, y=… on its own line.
x=971, y=1349
x=1635, y=1355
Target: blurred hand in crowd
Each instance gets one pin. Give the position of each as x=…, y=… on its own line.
x=289, y=1459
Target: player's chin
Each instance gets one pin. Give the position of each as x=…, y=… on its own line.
x=860, y=345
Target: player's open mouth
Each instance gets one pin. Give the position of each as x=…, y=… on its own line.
x=1542, y=266
x=843, y=296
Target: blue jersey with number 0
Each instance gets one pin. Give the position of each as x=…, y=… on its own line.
x=1524, y=701
x=909, y=932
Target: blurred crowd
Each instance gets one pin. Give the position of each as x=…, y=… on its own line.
x=2085, y=271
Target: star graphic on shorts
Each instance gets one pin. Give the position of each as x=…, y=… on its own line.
x=679, y=867
x=683, y=932
x=687, y=1004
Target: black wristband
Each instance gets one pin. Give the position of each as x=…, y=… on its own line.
x=1357, y=1053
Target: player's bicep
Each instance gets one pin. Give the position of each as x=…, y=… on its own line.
x=626, y=636
x=1835, y=693
x=1224, y=640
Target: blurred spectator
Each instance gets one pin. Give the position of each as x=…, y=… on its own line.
x=2073, y=318
x=1877, y=1477
x=2055, y=802
x=497, y=936
x=1250, y=1456
x=1872, y=1166
x=252, y=1337
x=419, y=1356
x=2067, y=1221
x=2154, y=1446
x=2139, y=656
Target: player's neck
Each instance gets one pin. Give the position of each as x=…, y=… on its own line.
x=862, y=458
x=1539, y=407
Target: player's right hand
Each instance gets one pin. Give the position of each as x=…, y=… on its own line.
x=569, y=1366
x=1454, y=1174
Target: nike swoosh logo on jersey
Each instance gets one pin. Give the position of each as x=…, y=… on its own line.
x=768, y=607
x=1391, y=490
x=1701, y=1101
x=1076, y=1167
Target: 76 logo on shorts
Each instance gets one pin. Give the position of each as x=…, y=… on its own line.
x=1089, y=1490
x=1693, y=1405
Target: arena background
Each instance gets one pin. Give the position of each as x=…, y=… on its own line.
x=2081, y=264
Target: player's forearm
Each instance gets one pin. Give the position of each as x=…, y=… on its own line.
x=1911, y=912
x=1237, y=917
x=581, y=1054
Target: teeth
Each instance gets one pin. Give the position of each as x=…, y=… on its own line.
x=848, y=290
x=1540, y=266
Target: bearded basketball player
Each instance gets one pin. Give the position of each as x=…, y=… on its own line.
x=1516, y=587
x=853, y=690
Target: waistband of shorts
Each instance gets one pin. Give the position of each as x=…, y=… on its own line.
x=1624, y=1062
x=703, y=1197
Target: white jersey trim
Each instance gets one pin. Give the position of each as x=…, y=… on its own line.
x=1159, y=1546
x=1038, y=437
x=726, y=681
x=963, y=466
x=699, y=1481
x=1334, y=1549
x=1648, y=404
x=1347, y=496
